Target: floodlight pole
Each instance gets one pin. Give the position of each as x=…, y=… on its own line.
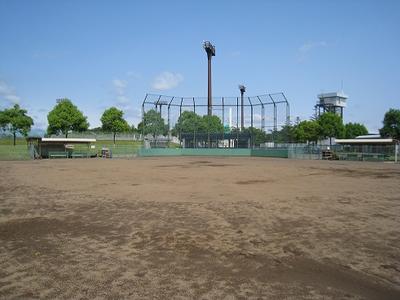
x=210, y=50
x=242, y=89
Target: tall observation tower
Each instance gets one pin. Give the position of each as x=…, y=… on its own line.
x=331, y=102
x=210, y=50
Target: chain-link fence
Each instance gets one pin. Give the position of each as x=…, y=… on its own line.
x=130, y=149
x=242, y=119
x=344, y=152
x=17, y=152
x=118, y=150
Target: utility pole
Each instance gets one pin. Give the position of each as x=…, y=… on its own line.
x=242, y=89
x=210, y=50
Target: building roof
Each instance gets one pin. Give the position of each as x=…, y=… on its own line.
x=67, y=140
x=365, y=141
x=333, y=95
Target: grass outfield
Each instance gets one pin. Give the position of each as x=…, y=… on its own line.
x=20, y=151
x=8, y=141
x=17, y=152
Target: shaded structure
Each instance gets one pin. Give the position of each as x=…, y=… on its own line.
x=261, y=112
x=60, y=147
x=368, y=148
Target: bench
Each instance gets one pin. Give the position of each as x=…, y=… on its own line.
x=79, y=154
x=373, y=157
x=362, y=156
x=58, y=154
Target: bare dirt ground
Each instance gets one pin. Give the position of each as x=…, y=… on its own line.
x=199, y=228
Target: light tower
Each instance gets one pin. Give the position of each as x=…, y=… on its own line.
x=242, y=89
x=210, y=49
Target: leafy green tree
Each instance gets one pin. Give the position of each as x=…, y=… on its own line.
x=113, y=120
x=259, y=136
x=133, y=129
x=64, y=117
x=391, y=124
x=153, y=124
x=352, y=130
x=331, y=126
x=3, y=120
x=211, y=124
x=15, y=120
x=188, y=122
x=307, y=131
x=285, y=135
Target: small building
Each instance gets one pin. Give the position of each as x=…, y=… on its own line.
x=369, y=147
x=60, y=147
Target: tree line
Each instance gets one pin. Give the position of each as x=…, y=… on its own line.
x=66, y=117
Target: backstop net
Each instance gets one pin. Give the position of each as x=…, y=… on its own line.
x=241, y=120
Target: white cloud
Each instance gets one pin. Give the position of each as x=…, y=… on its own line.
x=8, y=93
x=167, y=81
x=123, y=102
x=119, y=86
x=306, y=48
x=133, y=115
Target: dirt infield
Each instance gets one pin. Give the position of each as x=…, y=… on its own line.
x=199, y=228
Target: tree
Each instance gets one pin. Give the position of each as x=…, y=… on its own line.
x=211, y=124
x=64, y=117
x=352, y=130
x=391, y=124
x=259, y=136
x=16, y=121
x=153, y=124
x=307, y=131
x=133, y=129
x=188, y=122
x=285, y=135
x=113, y=120
x=331, y=126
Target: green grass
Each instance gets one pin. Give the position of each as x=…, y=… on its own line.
x=10, y=152
x=121, y=148
x=17, y=152
x=174, y=145
x=8, y=141
x=20, y=152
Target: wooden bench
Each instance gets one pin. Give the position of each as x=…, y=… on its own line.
x=58, y=154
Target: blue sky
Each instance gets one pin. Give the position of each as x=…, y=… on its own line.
x=111, y=53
